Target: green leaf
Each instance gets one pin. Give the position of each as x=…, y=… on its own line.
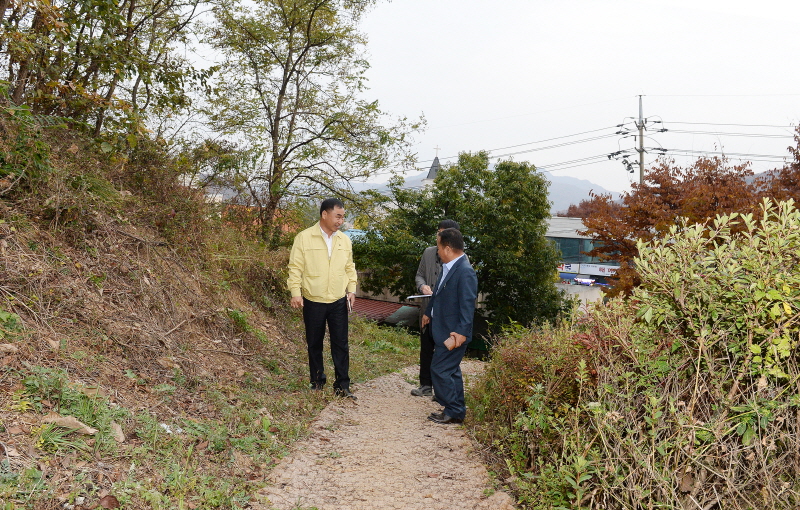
x=747, y=436
x=774, y=295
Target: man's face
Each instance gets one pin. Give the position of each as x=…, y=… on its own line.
x=332, y=220
x=445, y=252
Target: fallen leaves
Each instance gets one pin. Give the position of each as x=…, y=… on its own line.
x=9, y=450
x=69, y=422
x=116, y=432
x=8, y=348
x=109, y=502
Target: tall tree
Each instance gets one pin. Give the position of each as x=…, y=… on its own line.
x=290, y=92
x=502, y=213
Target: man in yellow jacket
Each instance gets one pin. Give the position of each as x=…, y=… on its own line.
x=322, y=280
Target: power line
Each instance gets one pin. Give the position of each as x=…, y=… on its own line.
x=740, y=125
x=555, y=146
x=556, y=138
x=540, y=141
x=691, y=152
x=548, y=170
x=723, y=95
x=599, y=156
x=723, y=133
x=527, y=114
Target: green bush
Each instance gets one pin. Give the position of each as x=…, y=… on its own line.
x=691, y=396
x=24, y=156
x=10, y=324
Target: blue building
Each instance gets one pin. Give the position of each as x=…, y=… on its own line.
x=576, y=266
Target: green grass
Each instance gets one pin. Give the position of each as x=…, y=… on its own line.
x=216, y=459
x=379, y=350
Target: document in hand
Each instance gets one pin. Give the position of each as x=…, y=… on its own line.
x=416, y=296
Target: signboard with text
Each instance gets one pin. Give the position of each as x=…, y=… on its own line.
x=598, y=270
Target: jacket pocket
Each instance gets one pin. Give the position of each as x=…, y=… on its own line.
x=314, y=285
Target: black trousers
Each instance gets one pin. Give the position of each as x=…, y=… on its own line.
x=316, y=316
x=425, y=356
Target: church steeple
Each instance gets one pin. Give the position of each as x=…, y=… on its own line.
x=428, y=180
x=434, y=169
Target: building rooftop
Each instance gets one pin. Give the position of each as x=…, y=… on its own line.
x=559, y=226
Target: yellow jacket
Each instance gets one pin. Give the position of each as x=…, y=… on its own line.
x=316, y=277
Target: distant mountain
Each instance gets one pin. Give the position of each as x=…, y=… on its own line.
x=569, y=190
x=563, y=190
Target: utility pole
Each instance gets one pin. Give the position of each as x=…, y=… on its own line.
x=625, y=132
x=640, y=150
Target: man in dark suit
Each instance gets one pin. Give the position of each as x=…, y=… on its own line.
x=450, y=314
x=427, y=273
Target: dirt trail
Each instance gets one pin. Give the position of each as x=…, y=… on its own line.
x=382, y=453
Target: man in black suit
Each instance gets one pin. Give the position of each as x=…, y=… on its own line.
x=450, y=314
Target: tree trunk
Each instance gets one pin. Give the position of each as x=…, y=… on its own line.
x=22, y=78
x=101, y=115
x=4, y=4
x=270, y=225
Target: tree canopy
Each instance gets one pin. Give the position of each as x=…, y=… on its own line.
x=502, y=212
x=95, y=61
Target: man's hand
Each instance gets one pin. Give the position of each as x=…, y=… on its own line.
x=426, y=289
x=297, y=302
x=425, y=320
x=351, y=300
x=459, y=339
x=450, y=343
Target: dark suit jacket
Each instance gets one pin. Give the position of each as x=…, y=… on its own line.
x=453, y=303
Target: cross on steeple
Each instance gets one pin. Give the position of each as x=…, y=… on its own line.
x=437, y=150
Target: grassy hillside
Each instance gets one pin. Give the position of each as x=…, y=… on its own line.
x=129, y=305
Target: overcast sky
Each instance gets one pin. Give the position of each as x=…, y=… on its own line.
x=501, y=75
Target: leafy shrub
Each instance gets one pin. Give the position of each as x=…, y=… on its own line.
x=691, y=396
x=528, y=383
x=10, y=324
x=24, y=156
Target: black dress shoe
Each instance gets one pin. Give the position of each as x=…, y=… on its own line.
x=437, y=415
x=423, y=391
x=444, y=418
x=345, y=393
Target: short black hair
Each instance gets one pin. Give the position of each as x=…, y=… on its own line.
x=452, y=237
x=449, y=224
x=329, y=204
